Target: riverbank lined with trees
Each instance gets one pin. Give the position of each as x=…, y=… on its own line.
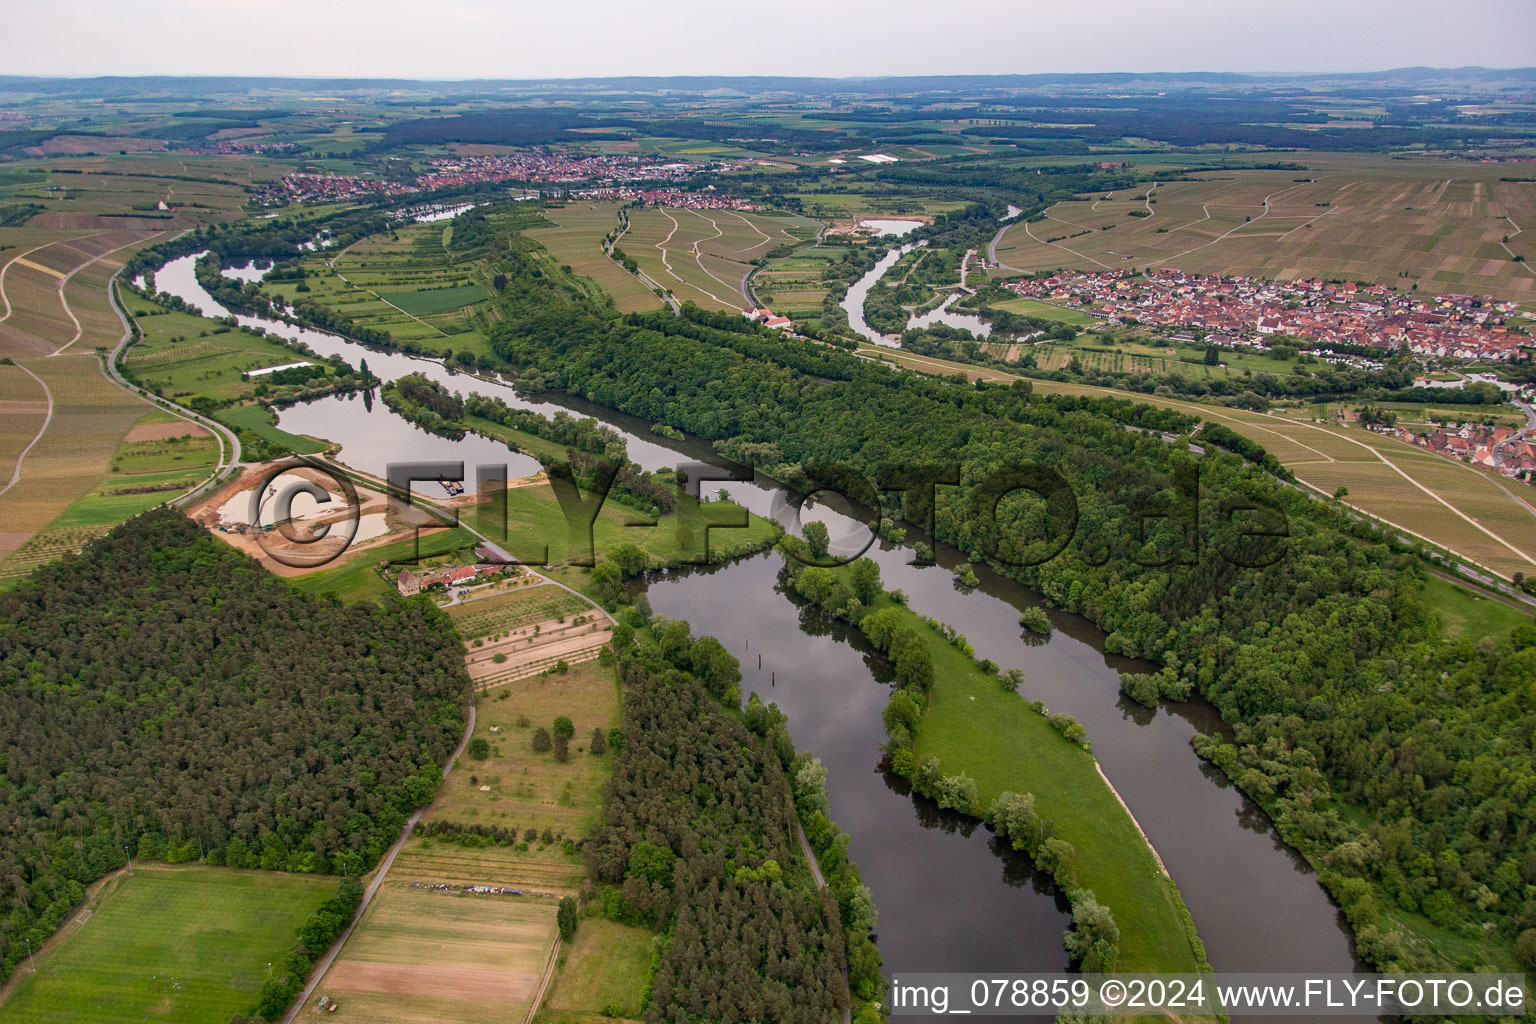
x=698, y=840
x=957, y=729
x=783, y=405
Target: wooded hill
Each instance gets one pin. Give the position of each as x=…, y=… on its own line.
x=162, y=695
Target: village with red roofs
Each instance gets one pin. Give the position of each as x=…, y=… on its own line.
x=1239, y=310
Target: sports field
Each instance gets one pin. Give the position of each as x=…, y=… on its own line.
x=1441, y=225
x=704, y=256
x=184, y=945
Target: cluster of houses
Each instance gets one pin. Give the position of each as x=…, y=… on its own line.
x=1503, y=448
x=494, y=562
x=1238, y=310
x=706, y=198
x=553, y=168
x=768, y=318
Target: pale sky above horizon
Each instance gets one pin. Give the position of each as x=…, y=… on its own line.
x=455, y=39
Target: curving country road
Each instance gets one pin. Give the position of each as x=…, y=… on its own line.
x=223, y=434
x=47, y=419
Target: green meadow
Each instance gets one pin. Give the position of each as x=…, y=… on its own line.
x=180, y=945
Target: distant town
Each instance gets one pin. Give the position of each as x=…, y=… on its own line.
x=1238, y=311
x=542, y=168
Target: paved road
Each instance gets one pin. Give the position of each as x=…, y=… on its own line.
x=16, y=475
x=821, y=883
x=226, y=437
x=318, y=974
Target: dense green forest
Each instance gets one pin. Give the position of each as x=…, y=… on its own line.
x=162, y=695
x=698, y=841
x=1396, y=759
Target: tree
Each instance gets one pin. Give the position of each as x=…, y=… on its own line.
x=1341, y=492
x=598, y=744
x=903, y=711
x=1014, y=817
x=562, y=745
x=817, y=540
x=564, y=726
x=865, y=578
x=541, y=740
x=810, y=785
x=479, y=748
x=716, y=667
x=566, y=918
x=1012, y=679
x=607, y=584
x=1092, y=923
x=630, y=560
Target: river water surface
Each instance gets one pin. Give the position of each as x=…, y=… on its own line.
x=950, y=897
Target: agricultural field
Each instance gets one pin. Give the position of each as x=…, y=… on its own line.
x=792, y=286
x=525, y=605
x=1438, y=225
x=421, y=955
x=185, y=945
x=23, y=408
x=704, y=256
x=1151, y=356
x=515, y=786
x=1451, y=504
x=606, y=967
x=405, y=282
x=837, y=205
x=575, y=239
x=161, y=458
x=187, y=358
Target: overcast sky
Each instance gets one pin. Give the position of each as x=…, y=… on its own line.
x=549, y=39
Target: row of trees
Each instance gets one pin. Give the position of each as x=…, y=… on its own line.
x=698, y=840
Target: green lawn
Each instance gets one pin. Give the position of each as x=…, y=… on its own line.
x=1466, y=613
x=534, y=522
x=261, y=423
x=531, y=444
x=175, y=945
x=1046, y=311
x=973, y=725
x=603, y=970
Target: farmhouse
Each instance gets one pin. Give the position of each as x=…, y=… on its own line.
x=408, y=583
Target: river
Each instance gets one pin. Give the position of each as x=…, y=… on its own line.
x=949, y=896
x=853, y=305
